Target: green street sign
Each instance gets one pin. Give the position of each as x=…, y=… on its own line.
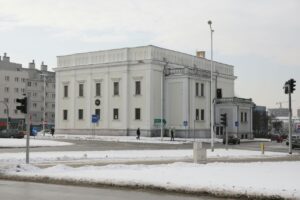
x=159, y=121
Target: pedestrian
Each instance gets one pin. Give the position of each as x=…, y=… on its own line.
x=52, y=131
x=138, y=134
x=172, y=135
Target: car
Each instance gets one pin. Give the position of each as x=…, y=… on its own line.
x=295, y=143
x=11, y=133
x=294, y=137
x=232, y=140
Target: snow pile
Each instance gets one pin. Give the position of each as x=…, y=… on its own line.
x=233, y=179
x=131, y=155
x=11, y=142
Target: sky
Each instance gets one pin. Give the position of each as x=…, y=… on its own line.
x=260, y=38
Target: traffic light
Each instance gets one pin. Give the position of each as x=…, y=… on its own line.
x=23, y=106
x=286, y=87
x=224, y=119
x=292, y=85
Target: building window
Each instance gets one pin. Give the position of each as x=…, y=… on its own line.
x=53, y=115
x=53, y=105
x=80, y=114
x=97, y=112
x=116, y=88
x=34, y=105
x=65, y=114
x=6, y=89
x=16, y=90
x=29, y=84
x=137, y=87
x=202, y=90
x=202, y=114
x=137, y=114
x=16, y=111
x=242, y=117
x=81, y=89
x=23, y=90
x=116, y=113
x=197, y=114
x=197, y=89
x=98, y=89
x=6, y=78
x=23, y=80
x=65, y=91
x=5, y=111
x=16, y=79
x=245, y=117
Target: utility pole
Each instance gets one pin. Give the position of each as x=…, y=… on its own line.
x=211, y=89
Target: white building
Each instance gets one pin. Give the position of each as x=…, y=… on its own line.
x=129, y=84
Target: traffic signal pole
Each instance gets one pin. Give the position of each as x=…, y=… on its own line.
x=289, y=88
x=290, y=121
x=27, y=130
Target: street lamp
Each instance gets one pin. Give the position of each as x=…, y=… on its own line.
x=44, y=110
x=211, y=88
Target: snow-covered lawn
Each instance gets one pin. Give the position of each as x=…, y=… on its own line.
x=130, y=155
x=260, y=178
x=11, y=142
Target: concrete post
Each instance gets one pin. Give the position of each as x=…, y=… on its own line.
x=199, y=153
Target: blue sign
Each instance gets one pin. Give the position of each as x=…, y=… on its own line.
x=185, y=123
x=95, y=118
x=236, y=123
x=34, y=131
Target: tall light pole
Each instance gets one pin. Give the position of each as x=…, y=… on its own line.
x=211, y=88
x=44, y=110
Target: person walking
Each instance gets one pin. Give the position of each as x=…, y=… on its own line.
x=172, y=135
x=138, y=134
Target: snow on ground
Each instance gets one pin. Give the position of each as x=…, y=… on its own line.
x=260, y=178
x=11, y=142
x=165, y=140
x=130, y=155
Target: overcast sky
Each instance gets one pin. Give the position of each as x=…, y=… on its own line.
x=259, y=37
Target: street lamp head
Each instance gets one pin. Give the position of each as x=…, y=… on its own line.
x=209, y=22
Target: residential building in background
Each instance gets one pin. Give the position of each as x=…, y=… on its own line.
x=16, y=81
x=279, y=112
x=144, y=87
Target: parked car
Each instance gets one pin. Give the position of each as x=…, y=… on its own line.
x=11, y=133
x=296, y=143
x=232, y=140
x=294, y=137
x=275, y=137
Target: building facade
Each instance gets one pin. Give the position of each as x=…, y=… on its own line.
x=16, y=81
x=138, y=87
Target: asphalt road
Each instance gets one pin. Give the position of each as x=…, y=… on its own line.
x=93, y=145
x=12, y=190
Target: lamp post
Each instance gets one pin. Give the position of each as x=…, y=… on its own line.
x=44, y=110
x=211, y=88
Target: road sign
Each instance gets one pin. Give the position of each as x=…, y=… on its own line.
x=95, y=118
x=236, y=124
x=158, y=122
x=185, y=123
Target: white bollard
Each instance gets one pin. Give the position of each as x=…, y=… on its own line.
x=199, y=153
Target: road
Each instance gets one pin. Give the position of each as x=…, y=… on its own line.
x=12, y=190
x=93, y=145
